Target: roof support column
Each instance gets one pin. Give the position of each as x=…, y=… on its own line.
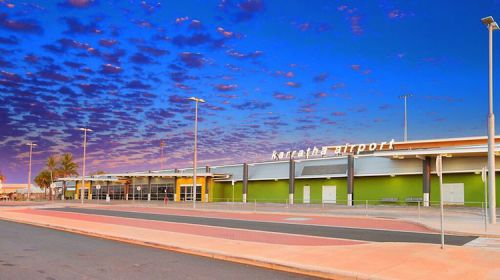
x=245, y=182
x=175, y=185
x=89, y=193
x=291, y=181
x=426, y=179
x=149, y=188
x=350, y=179
x=107, y=191
x=207, y=182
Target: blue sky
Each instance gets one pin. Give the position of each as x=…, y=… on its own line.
x=275, y=74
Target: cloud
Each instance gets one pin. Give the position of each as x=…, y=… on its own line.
x=397, y=14
x=293, y=84
x=253, y=105
x=192, y=60
x=338, y=114
x=338, y=85
x=181, y=76
x=11, y=40
x=196, y=40
x=356, y=67
x=181, y=19
x=283, y=96
x=236, y=54
x=135, y=84
x=139, y=58
x=321, y=77
x=76, y=27
x=80, y=4
x=50, y=74
x=110, y=69
x=228, y=34
x=321, y=94
x=196, y=24
x=248, y=9
x=107, y=42
x=22, y=26
x=223, y=88
x=153, y=51
x=353, y=18
x=328, y=121
x=307, y=108
x=178, y=99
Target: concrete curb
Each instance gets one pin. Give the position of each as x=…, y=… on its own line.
x=263, y=263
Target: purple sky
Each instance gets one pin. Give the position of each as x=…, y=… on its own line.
x=276, y=75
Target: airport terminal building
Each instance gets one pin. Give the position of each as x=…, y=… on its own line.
x=383, y=172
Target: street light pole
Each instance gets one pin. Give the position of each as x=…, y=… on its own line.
x=491, y=25
x=82, y=189
x=31, y=144
x=196, y=100
x=162, y=145
x=405, y=97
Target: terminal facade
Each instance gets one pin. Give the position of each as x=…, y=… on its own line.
x=399, y=173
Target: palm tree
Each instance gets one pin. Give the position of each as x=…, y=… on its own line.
x=67, y=167
x=51, y=167
x=2, y=177
x=43, y=179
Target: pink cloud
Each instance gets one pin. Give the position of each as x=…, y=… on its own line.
x=222, y=87
x=283, y=96
x=293, y=84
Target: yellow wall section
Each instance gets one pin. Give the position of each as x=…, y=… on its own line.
x=189, y=181
x=77, y=189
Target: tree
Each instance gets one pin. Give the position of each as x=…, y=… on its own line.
x=51, y=167
x=2, y=177
x=43, y=179
x=67, y=167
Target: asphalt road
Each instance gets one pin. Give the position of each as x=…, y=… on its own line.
x=29, y=252
x=311, y=230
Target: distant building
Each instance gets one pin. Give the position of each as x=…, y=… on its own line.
x=11, y=188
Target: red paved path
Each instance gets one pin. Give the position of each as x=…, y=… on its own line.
x=218, y=232
x=352, y=222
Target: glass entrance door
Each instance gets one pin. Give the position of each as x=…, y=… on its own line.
x=186, y=193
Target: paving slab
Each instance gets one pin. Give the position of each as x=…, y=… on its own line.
x=362, y=261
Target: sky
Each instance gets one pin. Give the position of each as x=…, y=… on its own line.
x=276, y=75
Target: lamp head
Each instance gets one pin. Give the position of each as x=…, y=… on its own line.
x=197, y=99
x=487, y=20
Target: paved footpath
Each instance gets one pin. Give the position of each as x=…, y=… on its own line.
x=338, y=258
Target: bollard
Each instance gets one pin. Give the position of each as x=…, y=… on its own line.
x=366, y=208
x=418, y=210
x=485, y=215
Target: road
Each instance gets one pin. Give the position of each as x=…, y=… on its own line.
x=372, y=235
x=29, y=252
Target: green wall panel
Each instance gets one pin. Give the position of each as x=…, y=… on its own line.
x=374, y=189
x=268, y=191
x=316, y=186
x=473, y=187
x=365, y=188
x=216, y=192
x=223, y=192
